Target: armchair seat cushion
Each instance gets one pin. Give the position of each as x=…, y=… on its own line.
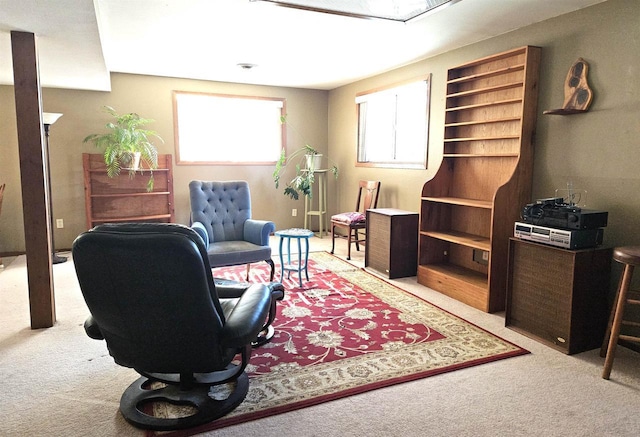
x=228, y=253
x=349, y=218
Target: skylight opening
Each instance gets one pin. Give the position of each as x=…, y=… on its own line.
x=395, y=10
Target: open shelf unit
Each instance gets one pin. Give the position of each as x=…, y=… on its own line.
x=469, y=207
x=125, y=199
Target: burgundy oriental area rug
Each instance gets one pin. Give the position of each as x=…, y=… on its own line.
x=346, y=331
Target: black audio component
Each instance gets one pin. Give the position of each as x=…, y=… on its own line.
x=567, y=239
x=548, y=212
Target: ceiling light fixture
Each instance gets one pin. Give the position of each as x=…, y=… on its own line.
x=395, y=10
x=246, y=66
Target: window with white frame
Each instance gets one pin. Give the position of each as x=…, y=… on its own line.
x=393, y=126
x=227, y=129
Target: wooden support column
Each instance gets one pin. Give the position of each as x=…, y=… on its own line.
x=33, y=173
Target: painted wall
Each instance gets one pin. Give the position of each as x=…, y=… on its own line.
x=598, y=151
x=151, y=97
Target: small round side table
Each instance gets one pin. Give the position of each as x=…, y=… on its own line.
x=299, y=235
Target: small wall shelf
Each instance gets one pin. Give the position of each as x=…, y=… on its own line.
x=564, y=111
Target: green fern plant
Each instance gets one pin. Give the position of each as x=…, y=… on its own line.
x=302, y=182
x=125, y=138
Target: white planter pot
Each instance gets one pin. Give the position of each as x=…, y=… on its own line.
x=135, y=164
x=132, y=163
x=314, y=161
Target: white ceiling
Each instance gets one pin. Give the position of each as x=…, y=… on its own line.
x=81, y=41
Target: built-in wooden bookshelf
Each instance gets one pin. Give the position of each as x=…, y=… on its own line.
x=125, y=198
x=469, y=207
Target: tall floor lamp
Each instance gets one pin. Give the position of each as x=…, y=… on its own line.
x=48, y=119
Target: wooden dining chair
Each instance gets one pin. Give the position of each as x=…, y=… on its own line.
x=354, y=221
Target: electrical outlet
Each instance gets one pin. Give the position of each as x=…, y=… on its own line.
x=481, y=256
x=294, y=212
x=59, y=223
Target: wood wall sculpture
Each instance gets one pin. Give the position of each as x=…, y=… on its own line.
x=577, y=94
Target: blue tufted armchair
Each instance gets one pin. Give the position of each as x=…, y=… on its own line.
x=221, y=215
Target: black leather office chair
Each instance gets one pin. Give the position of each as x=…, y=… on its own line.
x=153, y=300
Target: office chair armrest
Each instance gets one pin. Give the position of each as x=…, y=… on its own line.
x=202, y=232
x=258, y=231
x=247, y=317
x=227, y=289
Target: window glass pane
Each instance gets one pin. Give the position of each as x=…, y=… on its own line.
x=377, y=128
x=393, y=126
x=411, y=124
x=213, y=128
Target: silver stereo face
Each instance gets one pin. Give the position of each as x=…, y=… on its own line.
x=567, y=239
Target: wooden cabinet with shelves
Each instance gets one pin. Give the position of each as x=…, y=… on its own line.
x=469, y=207
x=125, y=199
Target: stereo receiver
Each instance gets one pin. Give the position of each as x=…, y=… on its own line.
x=553, y=213
x=565, y=238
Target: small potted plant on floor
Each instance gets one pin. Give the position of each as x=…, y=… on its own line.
x=307, y=160
x=127, y=144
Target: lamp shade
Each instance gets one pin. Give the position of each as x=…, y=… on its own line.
x=50, y=117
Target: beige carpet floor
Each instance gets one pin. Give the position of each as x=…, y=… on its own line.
x=58, y=382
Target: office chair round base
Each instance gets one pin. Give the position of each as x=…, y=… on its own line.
x=135, y=403
x=264, y=336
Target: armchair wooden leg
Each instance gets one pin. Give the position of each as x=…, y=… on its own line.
x=349, y=245
x=333, y=237
x=248, y=270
